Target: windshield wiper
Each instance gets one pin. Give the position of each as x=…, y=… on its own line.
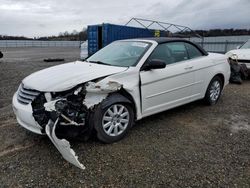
x=99, y=62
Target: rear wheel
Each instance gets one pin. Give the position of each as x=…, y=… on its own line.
x=213, y=91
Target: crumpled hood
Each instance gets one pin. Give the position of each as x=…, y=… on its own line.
x=241, y=53
x=66, y=76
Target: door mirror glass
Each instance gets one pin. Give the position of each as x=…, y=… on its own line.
x=154, y=64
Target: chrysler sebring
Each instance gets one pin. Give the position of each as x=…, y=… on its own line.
x=123, y=82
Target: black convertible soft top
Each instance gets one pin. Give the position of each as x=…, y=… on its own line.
x=161, y=40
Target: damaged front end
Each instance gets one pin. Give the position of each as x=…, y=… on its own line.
x=67, y=106
x=63, y=114
x=67, y=114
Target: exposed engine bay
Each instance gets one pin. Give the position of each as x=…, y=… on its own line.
x=67, y=107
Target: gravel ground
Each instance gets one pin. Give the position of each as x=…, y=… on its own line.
x=193, y=145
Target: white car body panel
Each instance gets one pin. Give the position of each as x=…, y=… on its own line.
x=241, y=54
x=24, y=116
x=66, y=76
x=152, y=91
x=164, y=88
x=62, y=145
x=186, y=81
x=205, y=71
x=130, y=82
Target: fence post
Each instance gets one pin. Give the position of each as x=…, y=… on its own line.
x=226, y=46
x=202, y=42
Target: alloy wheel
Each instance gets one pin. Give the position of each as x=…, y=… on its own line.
x=215, y=90
x=115, y=120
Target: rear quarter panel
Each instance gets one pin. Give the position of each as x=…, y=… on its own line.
x=214, y=64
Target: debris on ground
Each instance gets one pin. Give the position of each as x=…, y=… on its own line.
x=53, y=60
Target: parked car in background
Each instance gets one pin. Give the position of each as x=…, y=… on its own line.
x=121, y=83
x=242, y=54
x=84, y=50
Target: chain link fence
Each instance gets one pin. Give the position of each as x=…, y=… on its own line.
x=221, y=44
x=37, y=43
x=210, y=44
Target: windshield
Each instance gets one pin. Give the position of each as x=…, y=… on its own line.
x=120, y=53
x=246, y=45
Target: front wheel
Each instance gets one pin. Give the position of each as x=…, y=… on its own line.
x=213, y=91
x=114, y=122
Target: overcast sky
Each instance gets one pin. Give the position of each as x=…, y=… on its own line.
x=35, y=18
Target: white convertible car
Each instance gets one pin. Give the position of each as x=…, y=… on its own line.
x=242, y=54
x=123, y=82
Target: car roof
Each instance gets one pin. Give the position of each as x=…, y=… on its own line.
x=161, y=40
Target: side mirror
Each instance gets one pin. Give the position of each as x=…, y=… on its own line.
x=154, y=64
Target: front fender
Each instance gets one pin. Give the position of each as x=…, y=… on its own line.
x=96, y=113
x=114, y=98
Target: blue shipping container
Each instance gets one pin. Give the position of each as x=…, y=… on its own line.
x=102, y=35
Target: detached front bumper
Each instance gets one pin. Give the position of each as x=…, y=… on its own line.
x=24, y=116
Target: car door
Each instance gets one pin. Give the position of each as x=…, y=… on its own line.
x=201, y=67
x=162, y=89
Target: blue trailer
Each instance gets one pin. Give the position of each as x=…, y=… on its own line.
x=101, y=35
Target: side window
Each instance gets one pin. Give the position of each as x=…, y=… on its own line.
x=163, y=53
x=178, y=51
x=193, y=52
x=173, y=52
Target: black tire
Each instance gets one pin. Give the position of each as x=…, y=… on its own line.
x=212, y=99
x=98, y=119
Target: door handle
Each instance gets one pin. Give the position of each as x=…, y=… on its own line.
x=188, y=67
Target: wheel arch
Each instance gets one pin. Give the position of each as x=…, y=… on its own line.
x=96, y=115
x=207, y=96
x=221, y=76
x=120, y=96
